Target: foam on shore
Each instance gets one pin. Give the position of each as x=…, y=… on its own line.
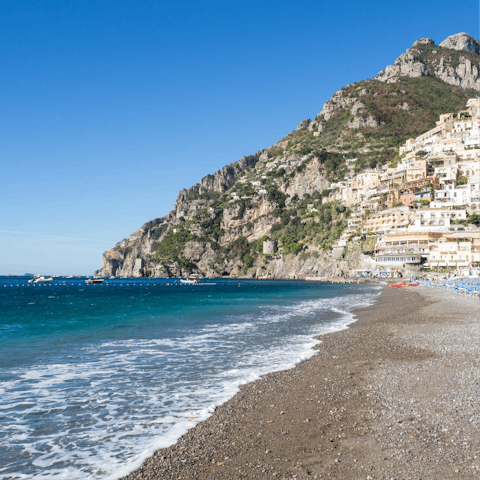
x=113, y=406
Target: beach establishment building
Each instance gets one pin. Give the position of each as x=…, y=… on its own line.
x=429, y=249
x=400, y=249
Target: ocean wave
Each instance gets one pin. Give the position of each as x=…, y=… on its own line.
x=101, y=414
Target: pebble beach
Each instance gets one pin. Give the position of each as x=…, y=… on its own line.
x=394, y=396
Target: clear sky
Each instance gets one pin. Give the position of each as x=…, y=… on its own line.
x=109, y=108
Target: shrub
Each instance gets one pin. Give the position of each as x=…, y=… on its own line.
x=275, y=195
x=305, y=149
x=276, y=228
x=194, y=194
x=276, y=212
x=275, y=152
x=475, y=219
x=304, y=256
x=290, y=244
x=248, y=261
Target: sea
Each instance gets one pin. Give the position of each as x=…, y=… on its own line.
x=96, y=378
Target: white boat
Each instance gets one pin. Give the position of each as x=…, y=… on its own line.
x=40, y=279
x=192, y=279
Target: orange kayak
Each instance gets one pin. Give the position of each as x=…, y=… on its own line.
x=404, y=285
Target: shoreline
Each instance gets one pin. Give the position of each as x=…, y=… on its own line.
x=329, y=417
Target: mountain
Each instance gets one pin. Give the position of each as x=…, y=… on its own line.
x=281, y=193
x=454, y=61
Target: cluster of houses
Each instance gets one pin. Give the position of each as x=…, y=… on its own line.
x=417, y=208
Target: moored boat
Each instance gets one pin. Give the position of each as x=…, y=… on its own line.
x=95, y=280
x=40, y=279
x=192, y=279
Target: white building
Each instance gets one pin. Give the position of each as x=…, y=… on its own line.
x=451, y=196
x=430, y=219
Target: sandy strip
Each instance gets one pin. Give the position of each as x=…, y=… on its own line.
x=396, y=395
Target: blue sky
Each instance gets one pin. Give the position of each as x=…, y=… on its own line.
x=109, y=108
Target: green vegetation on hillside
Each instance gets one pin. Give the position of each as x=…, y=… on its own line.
x=194, y=194
x=171, y=246
x=402, y=110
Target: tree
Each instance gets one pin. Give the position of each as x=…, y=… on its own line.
x=290, y=244
x=248, y=261
x=474, y=219
x=275, y=195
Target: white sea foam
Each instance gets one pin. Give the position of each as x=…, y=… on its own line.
x=127, y=399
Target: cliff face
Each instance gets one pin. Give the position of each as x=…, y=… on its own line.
x=219, y=182
x=217, y=227
x=455, y=61
x=142, y=244
x=252, y=221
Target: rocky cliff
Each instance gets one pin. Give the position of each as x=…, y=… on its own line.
x=218, y=226
x=142, y=244
x=455, y=61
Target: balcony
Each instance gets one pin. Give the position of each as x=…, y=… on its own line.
x=391, y=259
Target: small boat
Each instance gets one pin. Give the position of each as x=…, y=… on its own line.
x=95, y=280
x=192, y=279
x=40, y=279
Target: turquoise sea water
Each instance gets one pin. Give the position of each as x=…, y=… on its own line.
x=94, y=378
